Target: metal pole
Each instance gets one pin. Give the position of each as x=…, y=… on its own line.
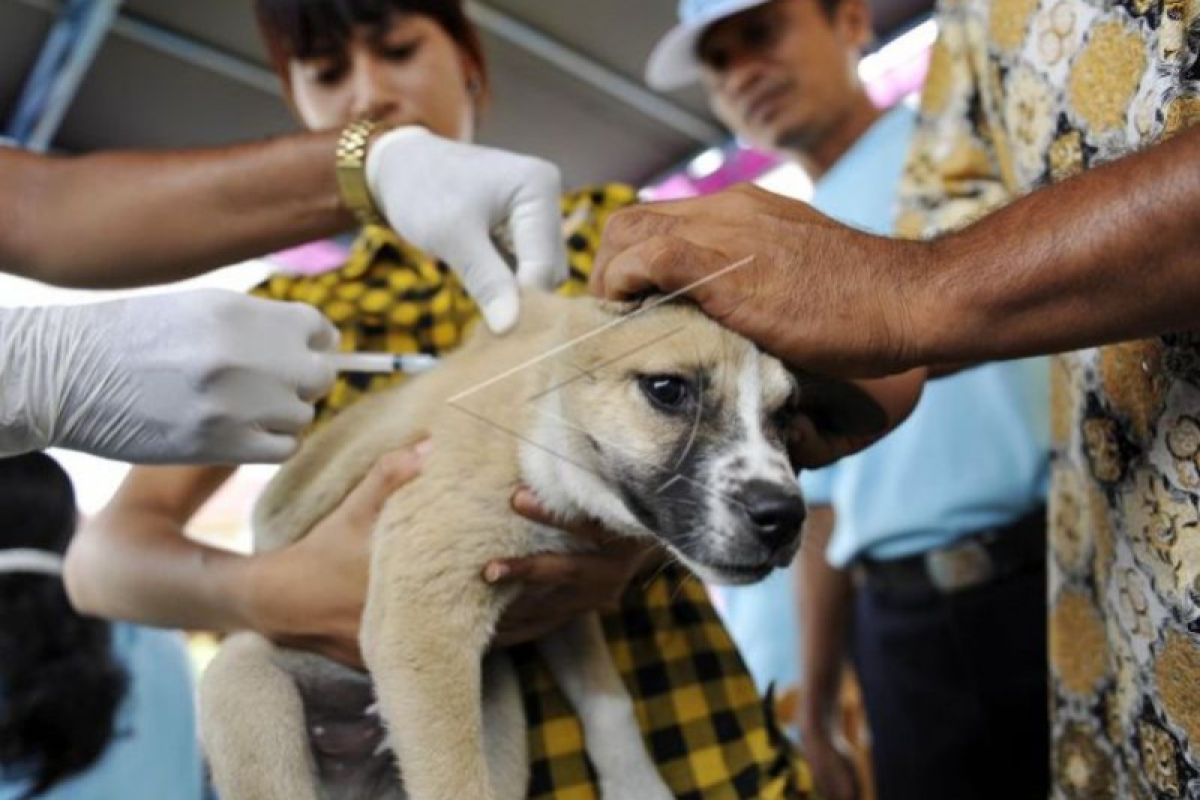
x=69, y=50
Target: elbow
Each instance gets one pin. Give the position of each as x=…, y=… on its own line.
x=77, y=572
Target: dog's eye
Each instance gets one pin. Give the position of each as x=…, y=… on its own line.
x=783, y=416
x=668, y=392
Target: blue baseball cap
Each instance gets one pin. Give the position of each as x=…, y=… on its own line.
x=673, y=63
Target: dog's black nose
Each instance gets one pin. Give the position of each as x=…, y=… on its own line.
x=776, y=512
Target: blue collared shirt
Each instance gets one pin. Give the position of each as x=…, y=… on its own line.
x=974, y=454
x=860, y=190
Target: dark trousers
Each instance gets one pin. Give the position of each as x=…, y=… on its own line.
x=956, y=691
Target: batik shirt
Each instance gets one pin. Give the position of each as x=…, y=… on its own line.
x=1020, y=94
x=707, y=729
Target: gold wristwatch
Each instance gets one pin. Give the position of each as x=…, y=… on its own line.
x=351, y=170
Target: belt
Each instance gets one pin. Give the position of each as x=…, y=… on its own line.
x=970, y=561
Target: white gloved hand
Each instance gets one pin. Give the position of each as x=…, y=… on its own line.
x=205, y=376
x=445, y=197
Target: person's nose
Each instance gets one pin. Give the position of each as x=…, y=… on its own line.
x=372, y=97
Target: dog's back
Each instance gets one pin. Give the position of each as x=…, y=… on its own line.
x=334, y=459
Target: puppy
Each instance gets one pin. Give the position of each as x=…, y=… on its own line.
x=654, y=421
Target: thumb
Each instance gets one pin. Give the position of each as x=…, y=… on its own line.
x=388, y=474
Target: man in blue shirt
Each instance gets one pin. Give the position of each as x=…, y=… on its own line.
x=943, y=522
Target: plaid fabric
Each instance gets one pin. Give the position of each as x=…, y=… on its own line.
x=389, y=296
x=710, y=733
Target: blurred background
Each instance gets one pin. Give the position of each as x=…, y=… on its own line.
x=84, y=75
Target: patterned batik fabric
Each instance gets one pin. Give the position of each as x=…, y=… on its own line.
x=710, y=733
x=1022, y=93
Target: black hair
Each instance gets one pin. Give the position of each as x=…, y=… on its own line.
x=312, y=28
x=60, y=685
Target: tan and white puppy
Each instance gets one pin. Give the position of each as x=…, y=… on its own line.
x=657, y=422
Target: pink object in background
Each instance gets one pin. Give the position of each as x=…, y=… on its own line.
x=312, y=258
x=897, y=70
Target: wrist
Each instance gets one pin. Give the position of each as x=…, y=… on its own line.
x=250, y=583
x=52, y=350
x=815, y=725
x=25, y=426
x=354, y=146
x=918, y=321
x=381, y=143
x=945, y=305
x=816, y=714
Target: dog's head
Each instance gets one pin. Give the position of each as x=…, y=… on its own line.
x=664, y=422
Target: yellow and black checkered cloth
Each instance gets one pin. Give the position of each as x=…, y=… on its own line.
x=711, y=735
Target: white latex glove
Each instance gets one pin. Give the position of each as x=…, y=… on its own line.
x=205, y=376
x=446, y=197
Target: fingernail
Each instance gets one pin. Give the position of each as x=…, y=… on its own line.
x=495, y=572
x=423, y=448
x=501, y=313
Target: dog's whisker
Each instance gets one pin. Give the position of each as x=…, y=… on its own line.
x=695, y=428
x=705, y=488
x=679, y=587
x=669, y=482
x=597, y=331
x=641, y=346
x=522, y=438
x=660, y=569
x=573, y=426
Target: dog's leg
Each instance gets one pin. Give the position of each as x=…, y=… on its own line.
x=504, y=728
x=579, y=659
x=423, y=641
x=252, y=725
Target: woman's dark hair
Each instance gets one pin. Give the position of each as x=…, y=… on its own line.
x=312, y=28
x=60, y=686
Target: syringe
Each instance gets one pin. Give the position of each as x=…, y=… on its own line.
x=412, y=363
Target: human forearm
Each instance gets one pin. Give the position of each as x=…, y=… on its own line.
x=825, y=594
x=1106, y=256
x=124, y=219
x=133, y=561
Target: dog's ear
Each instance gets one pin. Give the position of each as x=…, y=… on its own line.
x=602, y=313
x=838, y=407
x=623, y=308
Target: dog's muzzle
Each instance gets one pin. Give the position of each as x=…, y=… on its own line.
x=773, y=515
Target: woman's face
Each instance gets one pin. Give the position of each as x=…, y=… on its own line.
x=405, y=72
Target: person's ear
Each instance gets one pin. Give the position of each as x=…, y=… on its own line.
x=289, y=96
x=839, y=408
x=852, y=21
x=473, y=77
